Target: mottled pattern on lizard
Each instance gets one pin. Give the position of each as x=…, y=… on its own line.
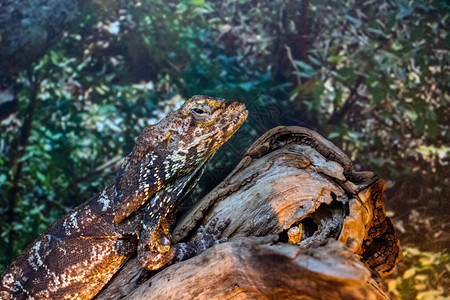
x=76, y=256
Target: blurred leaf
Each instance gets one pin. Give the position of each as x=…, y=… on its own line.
x=40, y=176
x=353, y=20
x=409, y=273
x=404, y=12
x=198, y=2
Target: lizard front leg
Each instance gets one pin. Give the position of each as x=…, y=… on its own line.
x=166, y=255
x=152, y=226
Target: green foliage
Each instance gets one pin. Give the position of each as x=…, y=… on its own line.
x=371, y=76
x=424, y=275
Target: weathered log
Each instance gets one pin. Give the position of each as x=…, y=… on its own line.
x=304, y=224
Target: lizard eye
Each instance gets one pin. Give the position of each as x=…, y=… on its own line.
x=200, y=111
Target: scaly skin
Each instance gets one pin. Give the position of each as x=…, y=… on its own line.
x=76, y=256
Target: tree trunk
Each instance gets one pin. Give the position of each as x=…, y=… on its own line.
x=16, y=152
x=304, y=225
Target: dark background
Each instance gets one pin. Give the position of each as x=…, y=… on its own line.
x=80, y=80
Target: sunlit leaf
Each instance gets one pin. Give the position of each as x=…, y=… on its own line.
x=409, y=273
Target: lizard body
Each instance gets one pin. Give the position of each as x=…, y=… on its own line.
x=76, y=256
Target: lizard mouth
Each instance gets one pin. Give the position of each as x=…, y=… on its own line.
x=240, y=116
x=235, y=123
x=231, y=126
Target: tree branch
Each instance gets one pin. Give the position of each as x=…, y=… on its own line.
x=351, y=99
x=17, y=152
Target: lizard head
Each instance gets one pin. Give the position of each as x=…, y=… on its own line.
x=202, y=125
x=177, y=146
x=188, y=137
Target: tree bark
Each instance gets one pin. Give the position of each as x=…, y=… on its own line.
x=16, y=152
x=304, y=225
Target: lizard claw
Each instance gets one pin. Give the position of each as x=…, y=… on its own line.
x=209, y=235
x=221, y=241
x=221, y=227
x=216, y=230
x=201, y=231
x=211, y=225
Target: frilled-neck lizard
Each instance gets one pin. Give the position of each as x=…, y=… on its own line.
x=76, y=256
